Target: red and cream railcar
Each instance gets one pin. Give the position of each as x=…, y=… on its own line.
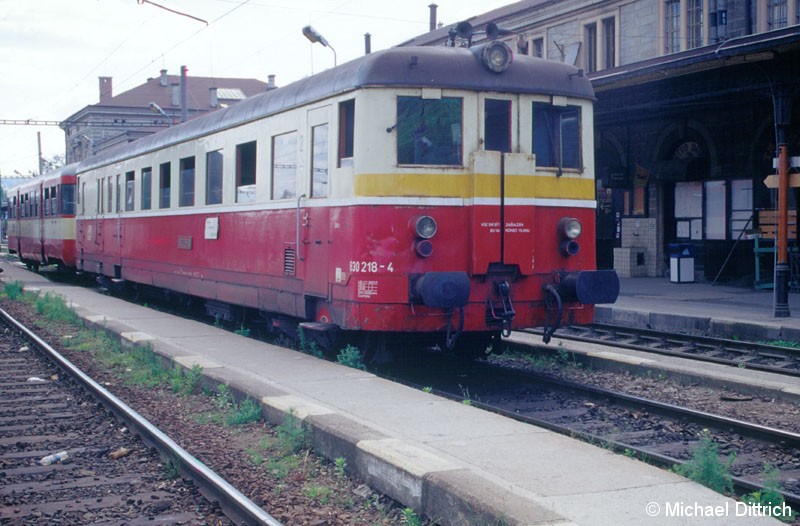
x=437, y=191
x=41, y=223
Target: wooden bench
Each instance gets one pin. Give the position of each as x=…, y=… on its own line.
x=765, y=245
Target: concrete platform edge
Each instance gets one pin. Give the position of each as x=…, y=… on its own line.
x=719, y=327
x=439, y=489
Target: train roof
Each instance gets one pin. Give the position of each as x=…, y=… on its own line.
x=434, y=66
x=70, y=169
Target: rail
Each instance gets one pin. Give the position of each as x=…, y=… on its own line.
x=215, y=488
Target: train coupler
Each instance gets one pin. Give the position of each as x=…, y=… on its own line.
x=502, y=312
x=553, y=301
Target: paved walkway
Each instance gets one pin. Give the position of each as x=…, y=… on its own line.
x=716, y=309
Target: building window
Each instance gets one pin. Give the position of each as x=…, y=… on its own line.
x=523, y=47
x=214, y=178
x=129, y=189
x=537, y=47
x=777, y=14
x=319, y=161
x=672, y=26
x=609, y=43
x=556, y=136
x=694, y=23
x=164, y=185
x=246, y=172
x=429, y=131
x=186, y=182
x=347, y=120
x=147, y=188
x=717, y=21
x=590, y=47
x=284, y=166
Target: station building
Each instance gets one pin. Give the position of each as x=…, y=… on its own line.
x=147, y=108
x=691, y=98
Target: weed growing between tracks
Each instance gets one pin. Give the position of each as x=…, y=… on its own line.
x=709, y=469
x=660, y=385
x=293, y=483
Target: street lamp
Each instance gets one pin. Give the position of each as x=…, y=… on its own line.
x=155, y=108
x=313, y=36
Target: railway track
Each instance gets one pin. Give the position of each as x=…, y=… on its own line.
x=112, y=473
x=757, y=356
x=661, y=433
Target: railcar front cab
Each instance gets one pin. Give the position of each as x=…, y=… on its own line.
x=556, y=142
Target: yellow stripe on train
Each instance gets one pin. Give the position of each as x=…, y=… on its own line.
x=485, y=185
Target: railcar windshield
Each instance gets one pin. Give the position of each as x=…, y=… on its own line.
x=68, y=199
x=429, y=130
x=557, y=136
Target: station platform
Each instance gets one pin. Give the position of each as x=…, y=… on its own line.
x=716, y=310
x=449, y=461
x=693, y=308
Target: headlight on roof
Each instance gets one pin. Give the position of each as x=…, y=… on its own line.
x=497, y=56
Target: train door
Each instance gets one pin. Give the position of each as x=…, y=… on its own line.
x=98, y=222
x=12, y=226
x=118, y=226
x=500, y=226
x=39, y=236
x=315, y=219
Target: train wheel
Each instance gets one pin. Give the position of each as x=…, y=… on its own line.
x=375, y=347
x=477, y=345
x=31, y=264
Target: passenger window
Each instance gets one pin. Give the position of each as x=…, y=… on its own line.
x=284, y=166
x=147, y=188
x=556, y=136
x=46, y=201
x=68, y=199
x=110, y=184
x=429, y=131
x=130, y=181
x=186, y=166
x=319, y=161
x=119, y=194
x=347, y=118
x=164, y=185
x=246, y=172
x=214, y=178
x=497, y=125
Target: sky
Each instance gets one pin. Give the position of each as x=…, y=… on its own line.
x=53, y=51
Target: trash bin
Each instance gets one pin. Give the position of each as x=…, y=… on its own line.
x=681, y=263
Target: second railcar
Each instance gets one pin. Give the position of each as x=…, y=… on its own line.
x=41, y=223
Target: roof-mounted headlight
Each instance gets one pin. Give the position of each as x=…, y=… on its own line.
x=497, y=56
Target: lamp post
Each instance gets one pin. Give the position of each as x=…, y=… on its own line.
x=155, y=108
x=314, y=36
